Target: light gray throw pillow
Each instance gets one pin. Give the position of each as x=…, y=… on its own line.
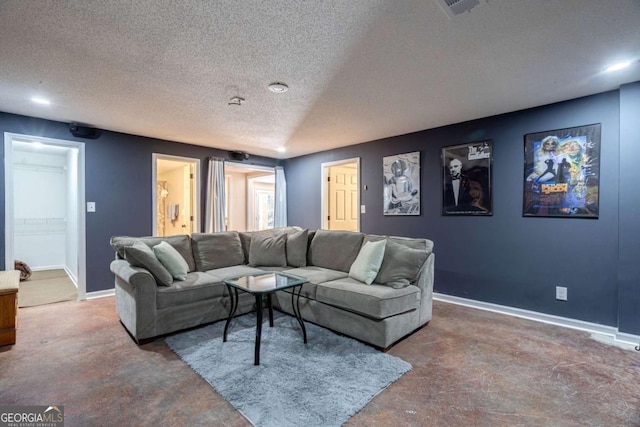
x=171, y=260
x=141, y=255
x=367, y=264
x=268, y=250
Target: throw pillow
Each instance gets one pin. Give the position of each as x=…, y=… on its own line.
x=268, y=250
x=172, y=260
x=141, y=255
x=401, y=265
x=297, y=243
x=365, y=267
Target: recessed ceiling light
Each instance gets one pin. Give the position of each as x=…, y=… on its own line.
x=41, y=101
x=281, y=149
x=617, y=66
x=278, y=87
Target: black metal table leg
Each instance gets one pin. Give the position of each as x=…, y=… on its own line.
x=233, y=295
x=256, y=359
x=295, y=305
x=270, y=310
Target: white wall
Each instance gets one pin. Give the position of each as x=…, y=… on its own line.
x=71, y=253
x=40, y=203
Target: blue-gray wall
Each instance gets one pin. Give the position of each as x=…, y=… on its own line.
x=629, y=211
x=118, y=178
x=508, y=259
x=504, y=259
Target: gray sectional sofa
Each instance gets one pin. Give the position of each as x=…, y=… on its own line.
x=336, y=263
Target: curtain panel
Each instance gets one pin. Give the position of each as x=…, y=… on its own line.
x=215, y=197
x=280, y=214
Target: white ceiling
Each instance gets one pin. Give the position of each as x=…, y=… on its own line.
x=357, y=70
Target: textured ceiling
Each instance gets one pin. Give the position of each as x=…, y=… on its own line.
x=357, y=70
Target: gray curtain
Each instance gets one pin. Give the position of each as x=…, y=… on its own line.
x=215, y=200
x=280, y=213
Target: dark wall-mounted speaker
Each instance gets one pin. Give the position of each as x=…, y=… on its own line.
x=239, y=155
x=81, y=131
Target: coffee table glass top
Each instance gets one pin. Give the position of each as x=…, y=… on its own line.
x=265, y=282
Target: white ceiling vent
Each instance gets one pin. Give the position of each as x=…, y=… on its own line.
x=456, y=7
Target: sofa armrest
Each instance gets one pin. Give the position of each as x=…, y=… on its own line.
x=135, y=298
x=425, y=282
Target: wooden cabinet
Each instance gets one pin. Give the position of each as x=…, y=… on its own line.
x=9, y=283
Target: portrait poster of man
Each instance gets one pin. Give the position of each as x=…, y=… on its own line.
x=466, y=177
x=401, y=175
x=562, y=172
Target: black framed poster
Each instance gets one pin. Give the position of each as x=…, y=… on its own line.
x=466, y=179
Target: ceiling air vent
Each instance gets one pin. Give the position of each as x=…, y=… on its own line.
x=456, y=7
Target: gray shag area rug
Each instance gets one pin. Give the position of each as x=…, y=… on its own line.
x=322, y=383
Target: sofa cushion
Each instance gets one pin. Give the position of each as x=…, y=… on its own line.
x=268, y=250
x=335, y=250
x=314, y=275
x=412, y=242
x=375, y=301
x=245, y=241
x=217, y=250
x=401, y=264
x=139, y=254
x=172, y=260
x=225, y=273
x=296, y=247
x=181, y=243
x=297, y=243
x=367, y=264
x=197, y=286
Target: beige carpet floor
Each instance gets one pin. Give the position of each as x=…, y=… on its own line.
x=46, y=287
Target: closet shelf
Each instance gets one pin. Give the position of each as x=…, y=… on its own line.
x=36, y=226
x=39, y=168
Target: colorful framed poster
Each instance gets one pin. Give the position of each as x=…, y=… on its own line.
x=466, y=179
x=562, y=173
x=401, y=175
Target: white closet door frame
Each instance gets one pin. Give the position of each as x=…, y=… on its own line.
x=9, y=213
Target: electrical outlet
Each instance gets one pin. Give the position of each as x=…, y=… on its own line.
x=561, y=293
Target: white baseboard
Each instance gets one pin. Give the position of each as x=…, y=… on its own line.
x=607, y=334
x=49, y=267
x=73, y=278
x=100, y=294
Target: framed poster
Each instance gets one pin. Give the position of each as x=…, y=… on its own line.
x=562, y=173
x=401, y=174
x=466, y=179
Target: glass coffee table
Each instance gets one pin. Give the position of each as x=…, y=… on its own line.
x=262, y=286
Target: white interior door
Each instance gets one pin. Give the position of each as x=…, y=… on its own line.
x=341, y=195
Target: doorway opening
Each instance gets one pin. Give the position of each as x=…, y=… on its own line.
x=341, y=195
x=250, y=197
x=45, y=216
x=175, y=195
